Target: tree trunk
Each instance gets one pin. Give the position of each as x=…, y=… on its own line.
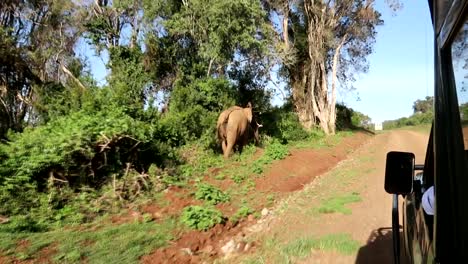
x=310, y=84
x=302, y=96
x=332, y=108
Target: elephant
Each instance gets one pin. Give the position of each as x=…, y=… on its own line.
x=236, y=126
x=254, y=129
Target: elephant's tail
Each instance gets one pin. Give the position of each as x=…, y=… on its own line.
x=221, y=127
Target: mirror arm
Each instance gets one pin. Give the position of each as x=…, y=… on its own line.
x=396, y=230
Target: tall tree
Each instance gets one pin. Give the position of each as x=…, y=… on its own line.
x=323, y=44
x=36, y=48
x=423, y=106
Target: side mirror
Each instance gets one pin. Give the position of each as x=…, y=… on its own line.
x=399, y=172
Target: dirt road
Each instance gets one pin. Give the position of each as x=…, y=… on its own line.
x=344, y=216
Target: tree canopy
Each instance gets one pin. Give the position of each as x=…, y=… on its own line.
x=423, y=106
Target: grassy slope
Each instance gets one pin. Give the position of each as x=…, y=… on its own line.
x=103, y=243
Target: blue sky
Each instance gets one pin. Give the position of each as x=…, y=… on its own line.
x=400, y=70
x=401, y=67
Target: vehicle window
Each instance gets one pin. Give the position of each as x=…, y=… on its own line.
x=460, y=67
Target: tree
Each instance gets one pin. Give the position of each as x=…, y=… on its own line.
x=323, y=44
x=423, y=106
x=36, y=49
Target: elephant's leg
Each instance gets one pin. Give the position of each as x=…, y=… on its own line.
x=223, y=145
x=229, y=147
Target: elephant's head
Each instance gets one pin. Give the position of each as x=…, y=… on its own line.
x=248, y=112
x=255, y=125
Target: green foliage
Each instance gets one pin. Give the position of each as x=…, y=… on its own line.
x=242, y=212
x=343, y=117
x=273, y=151
x=211, y=194
x=198, y=160
x=239, y=176
x=194, y=109
x=22, y=224
x=283, y=124
x=200, y=217
x=210, y=93
x=347, y=118
x=276, y=151
x=359, y=119
x=423, y=106
x=464, y=111
x=414, y=120
x=423, y=114
x=79, y=149
x=129, y=80
x=220, y=27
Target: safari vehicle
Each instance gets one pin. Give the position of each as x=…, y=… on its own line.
x=442, y=237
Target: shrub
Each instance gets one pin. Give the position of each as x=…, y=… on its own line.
x=343, y=117
x=283, y=124
x=413, y=120
x=276, y=151
x=81, y=149
x=242, y=212
x=201, y=218
x=23, y=224
x=211, y=194
x=273, y=151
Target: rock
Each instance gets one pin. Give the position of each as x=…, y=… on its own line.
x=208, y=250
x=187, y=251
x=265, y=212
x=250, y=218
x=247, y=247
x=157, y=215
x=229, y=248
x=240, y=247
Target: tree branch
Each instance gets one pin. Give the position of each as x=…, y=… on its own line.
x=70, y=74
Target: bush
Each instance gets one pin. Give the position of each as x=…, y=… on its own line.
x=22, y=224
x=211, y=194
x=414, y=120
x=81, y=149
x=276, y=151
x=201, y=218
x=273, y=151
x=283, y=124
x=194, y=109
x=242, y=212
x=343, y=117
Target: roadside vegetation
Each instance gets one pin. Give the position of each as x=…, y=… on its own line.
x=80, y=157
x=422, y=116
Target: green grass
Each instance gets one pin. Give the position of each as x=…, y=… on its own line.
x=124, y=243
x=322, y=142
x=302, y=247
x=337, y=204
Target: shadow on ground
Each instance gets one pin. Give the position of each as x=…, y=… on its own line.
x=379, y=247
